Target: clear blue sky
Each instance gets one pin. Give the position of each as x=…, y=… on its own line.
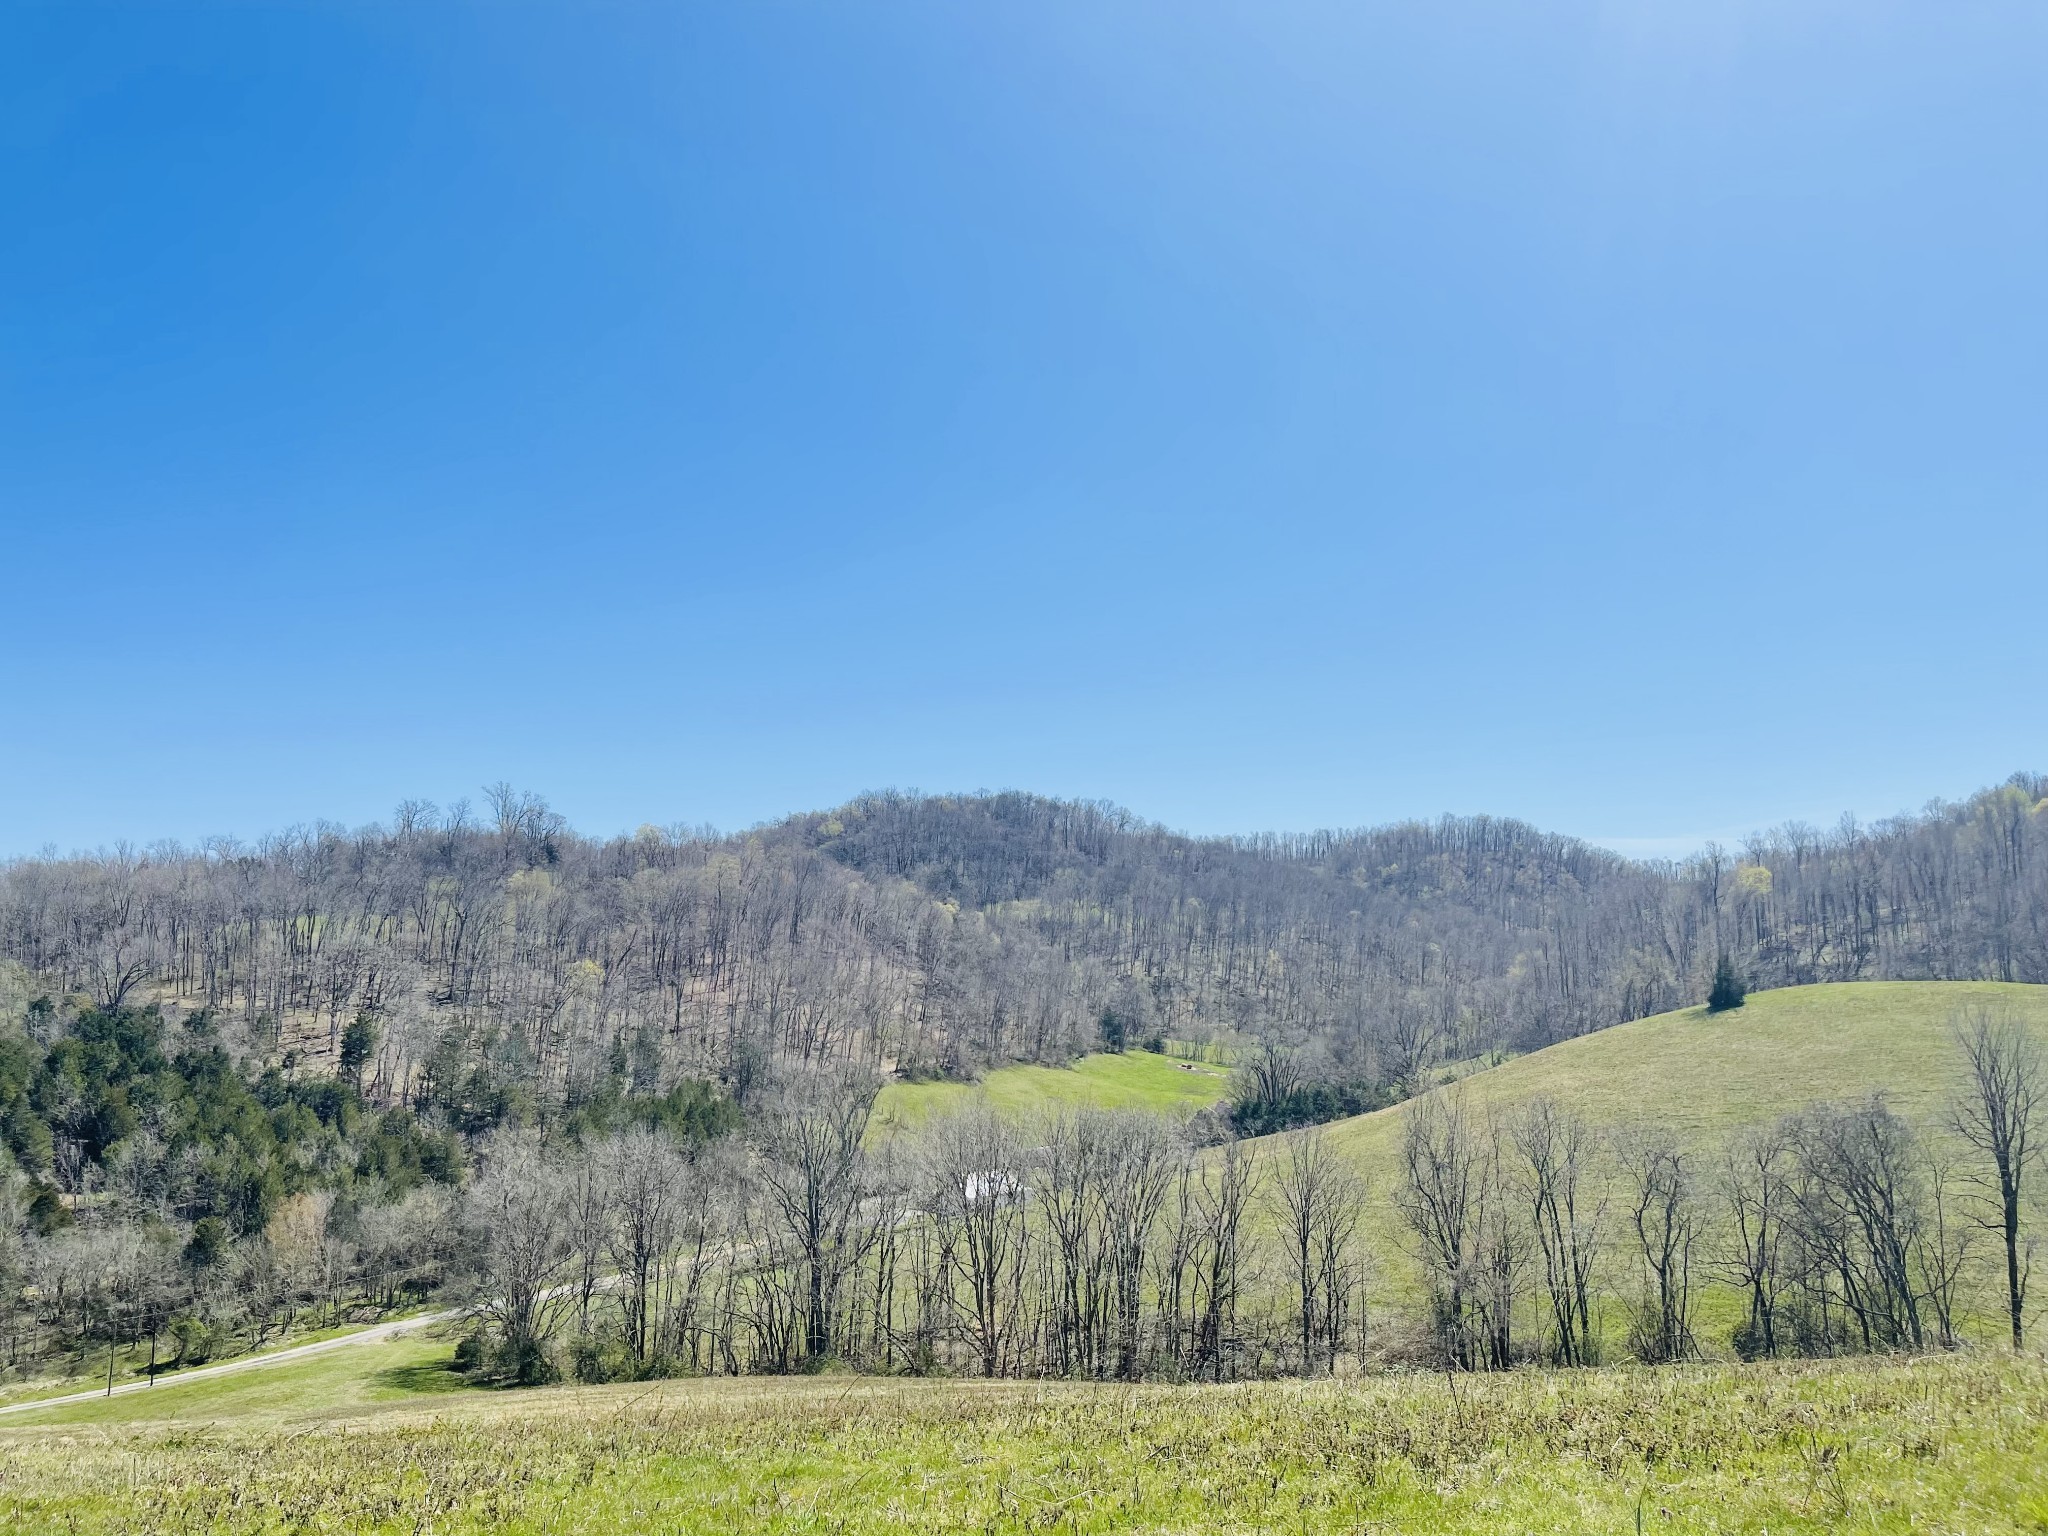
x=1628, y=416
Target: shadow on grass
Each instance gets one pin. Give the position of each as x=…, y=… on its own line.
x=427, y=1376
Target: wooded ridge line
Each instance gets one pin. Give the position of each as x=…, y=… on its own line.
x=502, y=955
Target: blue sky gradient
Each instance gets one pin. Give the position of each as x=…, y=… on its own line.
x=1629, y=417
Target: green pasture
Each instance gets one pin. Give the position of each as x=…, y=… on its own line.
x=341, y=1382
x=1701, y=1075
x=1131, y=1080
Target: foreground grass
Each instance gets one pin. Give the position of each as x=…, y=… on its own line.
x=1131, y=1080
x=1956, y=1445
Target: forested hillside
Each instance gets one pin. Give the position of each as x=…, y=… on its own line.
x=342, y=1069
x=507, y=959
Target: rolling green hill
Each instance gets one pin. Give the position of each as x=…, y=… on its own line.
x=1704, y=1075
x=1135, y=1079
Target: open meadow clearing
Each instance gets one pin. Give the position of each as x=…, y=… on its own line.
x=1952, y=1445
x=1121, y=1080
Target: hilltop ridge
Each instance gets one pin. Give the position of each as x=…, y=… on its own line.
x=946, y=935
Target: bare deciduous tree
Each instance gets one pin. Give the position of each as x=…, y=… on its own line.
x=975, y=1173
x=1222, y=1196
x=1757, y=1177
x=516, y=1212
x=808, y=1137
x=1073, y=1171
x=588, y=1218
x=1319, y=1200
x=1144, y=1153
x=1443, y=1198
x=1861, y=1209
x=1941, y=1244
x=649, y=1183
x=1566, y=1207
x=1995, y=1115
x=1664, y=1211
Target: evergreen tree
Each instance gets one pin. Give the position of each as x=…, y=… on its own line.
x=358, y=1043
x=1728, y=990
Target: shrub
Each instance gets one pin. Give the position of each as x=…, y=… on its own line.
x=193, y=1339
x=596, y=1358
x=525, y=1363
x=47, y=1211
x=469, y=1352
x=1748, y=1341
x=1312, y=1105
x=659, y=1367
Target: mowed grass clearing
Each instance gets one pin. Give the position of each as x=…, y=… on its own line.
x=346, y=1381
x=1958, y=1444
x=131, y=1364
x=1131, y=1080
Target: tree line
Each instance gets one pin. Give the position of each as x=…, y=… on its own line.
x=1842, y=1227
x=1109, y=1245
x=639, y=1240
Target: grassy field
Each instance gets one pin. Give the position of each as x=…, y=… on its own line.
x=344, y=1382
x=1700, y=1074
x=131, y=1363
x=1135, y=1079
x=1704, y=1075
x=1952, y=1445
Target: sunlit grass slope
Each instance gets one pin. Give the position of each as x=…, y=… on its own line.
x=1135, y=1079
x=1704, y=1075
x=408, y=1368
x=89, y=1370
x=1956, y=1444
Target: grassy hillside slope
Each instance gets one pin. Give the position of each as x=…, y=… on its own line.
x=347, y=1382
x=1135, y=1079
x=1704, y=1075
